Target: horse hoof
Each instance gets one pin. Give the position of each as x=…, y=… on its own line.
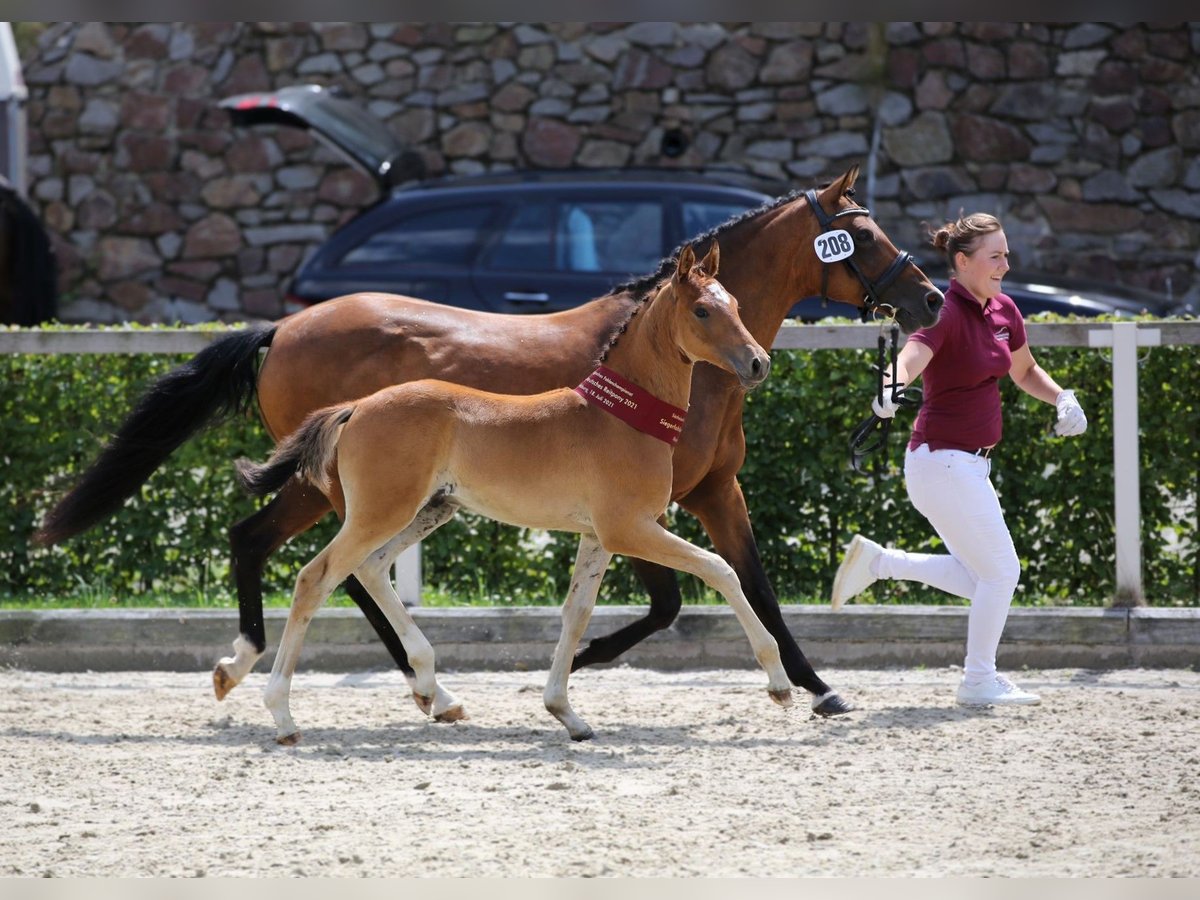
x=586, y=735
x=222, y=682
x=455, y=713
x=783, y=697
x=424, y=704
x=831, y=704
x=288, y=740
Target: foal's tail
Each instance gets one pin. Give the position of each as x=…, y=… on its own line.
x=217, y=382
x=307, y=453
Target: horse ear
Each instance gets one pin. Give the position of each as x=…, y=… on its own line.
x=687, y=259
x=849, y=178
x=711, y=260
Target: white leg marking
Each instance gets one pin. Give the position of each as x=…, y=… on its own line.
x=375, y=576
x=231, y=670
x=656, y=544
x=590, y=562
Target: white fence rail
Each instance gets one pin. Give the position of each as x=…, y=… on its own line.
x=1124, y=339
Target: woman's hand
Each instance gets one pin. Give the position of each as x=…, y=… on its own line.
x=1071, y=420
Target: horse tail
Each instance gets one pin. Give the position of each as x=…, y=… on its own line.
x=308, y=452
x=216, y=383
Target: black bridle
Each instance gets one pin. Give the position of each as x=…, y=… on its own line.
x=875, y=289
x=871, y=434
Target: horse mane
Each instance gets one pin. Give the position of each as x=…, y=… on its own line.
x=642, y=288
x=643, y=284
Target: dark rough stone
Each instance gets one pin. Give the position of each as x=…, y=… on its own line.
x=1114, y=77
x=947, y=52
x=988, y=140
x=264, y=302
x=925, y=140
x=1171, y=44
x=143, y=110
x=1027, y=60
x=1109, y=185
x=1098, y=218
x=731, y=68
x=550, y=144
x=214, y=235
x=788, y=63
x=1156, y=131
x=1153, y=101
x=1181, y=203
x=1025, y=179
x=147, y=42
x=984, y=62
x=124, y=257
x=1031, y=100
x=152, y=220
x=937, y=181
x=347, y=187
x=903, y=67
x=641, y=70
x=1161, y=71
x=186, y=79
x=247, y=75
x=1114, y=113
x=1129, y=44
x=1159, y=168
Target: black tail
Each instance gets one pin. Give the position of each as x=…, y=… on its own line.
x=217, y=382
x=308, y=452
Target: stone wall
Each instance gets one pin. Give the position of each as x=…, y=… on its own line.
x=1083, y=137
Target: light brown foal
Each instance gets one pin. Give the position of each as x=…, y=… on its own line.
x=399, y=463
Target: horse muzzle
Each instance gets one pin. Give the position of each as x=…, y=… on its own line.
x=753, y=371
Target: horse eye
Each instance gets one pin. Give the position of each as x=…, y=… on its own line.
x=701, y=312
x=865, y=236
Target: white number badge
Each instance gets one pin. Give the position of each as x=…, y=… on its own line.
x=834, y=245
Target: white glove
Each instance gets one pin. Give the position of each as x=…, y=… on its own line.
x=1071, y=420
x=886, y=409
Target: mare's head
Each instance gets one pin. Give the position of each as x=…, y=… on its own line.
x=862, y=265
x=706, y=322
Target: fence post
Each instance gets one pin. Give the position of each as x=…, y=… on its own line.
x=1125, y=338
x=408, y=576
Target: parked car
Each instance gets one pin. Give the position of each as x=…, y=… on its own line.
x=543, y=240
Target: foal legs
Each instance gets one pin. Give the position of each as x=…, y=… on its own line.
x=375, y=575
x=652, y=542
x=314, y=584
x=590, y=562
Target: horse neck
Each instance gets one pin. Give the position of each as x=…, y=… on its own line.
x=648, y=353
x=768, y=263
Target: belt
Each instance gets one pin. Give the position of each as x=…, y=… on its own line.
x=985, y=452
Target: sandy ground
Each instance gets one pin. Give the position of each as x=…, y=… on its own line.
x=145, y=774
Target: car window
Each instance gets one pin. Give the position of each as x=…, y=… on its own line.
x=443, y=236
x=700, y=216
x=623, y=236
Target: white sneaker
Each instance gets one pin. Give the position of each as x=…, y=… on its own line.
x=854, y=574
x=997, y=691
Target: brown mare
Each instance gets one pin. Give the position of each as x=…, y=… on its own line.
x=347, y=348
x=399, y=463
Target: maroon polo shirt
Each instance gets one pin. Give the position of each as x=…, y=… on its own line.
x=972, y=350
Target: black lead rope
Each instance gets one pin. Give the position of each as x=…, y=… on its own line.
x=872, y=432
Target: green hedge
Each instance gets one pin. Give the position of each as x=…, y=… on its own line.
x=805, y=500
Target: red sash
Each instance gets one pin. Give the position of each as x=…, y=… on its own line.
x=632, y=405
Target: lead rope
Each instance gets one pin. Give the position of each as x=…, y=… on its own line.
x=872, y=433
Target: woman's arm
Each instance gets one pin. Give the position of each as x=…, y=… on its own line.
x=1032, y=378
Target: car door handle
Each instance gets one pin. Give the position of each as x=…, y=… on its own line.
x=523, y=297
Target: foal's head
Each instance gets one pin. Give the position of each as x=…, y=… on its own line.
x=706, y=321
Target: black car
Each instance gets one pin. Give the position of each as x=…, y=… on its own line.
x=543, y=240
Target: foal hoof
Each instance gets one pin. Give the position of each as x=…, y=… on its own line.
x=783, y=697
x=455, y=713
x=223, y=683
x=831, y=704
x=288, y=740
x=424, y=704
